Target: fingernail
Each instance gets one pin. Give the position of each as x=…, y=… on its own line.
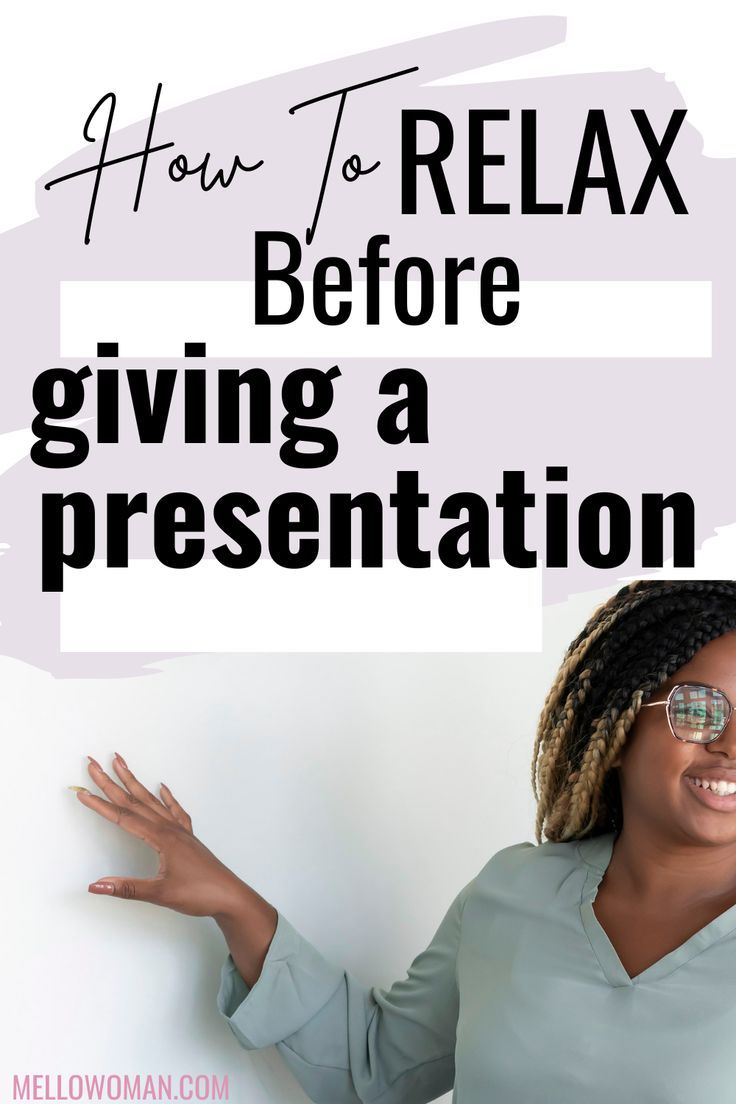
x=119, y=756
x=94, y=762
x=101, y=887
x=78, y=789
x=163, y=786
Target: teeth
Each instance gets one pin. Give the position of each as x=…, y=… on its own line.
x=718, y=786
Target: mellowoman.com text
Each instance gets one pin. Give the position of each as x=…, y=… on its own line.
x=124, y=1087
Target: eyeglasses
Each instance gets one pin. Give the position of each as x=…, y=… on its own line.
x=697, y=714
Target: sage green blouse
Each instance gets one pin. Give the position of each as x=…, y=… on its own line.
x=520, y=998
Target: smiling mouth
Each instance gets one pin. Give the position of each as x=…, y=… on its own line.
x=716, y=793
x=721, y=786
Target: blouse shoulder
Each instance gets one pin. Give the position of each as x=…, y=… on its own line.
x=535, y=870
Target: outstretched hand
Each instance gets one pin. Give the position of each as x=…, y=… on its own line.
x=190, y=878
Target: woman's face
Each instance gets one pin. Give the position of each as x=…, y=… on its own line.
x=655, y=769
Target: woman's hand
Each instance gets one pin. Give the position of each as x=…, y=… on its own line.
x=190, y=878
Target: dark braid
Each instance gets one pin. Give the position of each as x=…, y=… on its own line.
x=629, y=647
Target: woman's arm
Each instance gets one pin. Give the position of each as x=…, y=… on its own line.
x=249, y=925
x=344, y=1041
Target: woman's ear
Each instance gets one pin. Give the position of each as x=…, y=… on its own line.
x=620, y=757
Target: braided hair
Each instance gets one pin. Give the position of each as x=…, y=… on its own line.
x=630, y=646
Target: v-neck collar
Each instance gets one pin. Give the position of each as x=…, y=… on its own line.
x=596, y=852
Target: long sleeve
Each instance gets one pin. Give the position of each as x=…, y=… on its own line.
x=345, y=1042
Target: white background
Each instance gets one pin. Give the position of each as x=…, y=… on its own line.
x=357, y=792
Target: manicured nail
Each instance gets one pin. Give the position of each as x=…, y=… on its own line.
x=163, y=786
x=94, y=762
x=101, y=887
x=119, y=756
x=78, y=789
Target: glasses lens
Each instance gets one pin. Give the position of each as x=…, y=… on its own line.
x=698, y=714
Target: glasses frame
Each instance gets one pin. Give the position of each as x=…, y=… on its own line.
x=699, y=686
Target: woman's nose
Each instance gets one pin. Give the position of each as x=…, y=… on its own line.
x=726, y=742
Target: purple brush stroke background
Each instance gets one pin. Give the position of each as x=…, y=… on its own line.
x=609, y=420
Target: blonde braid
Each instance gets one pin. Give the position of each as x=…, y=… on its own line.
x=630, y=645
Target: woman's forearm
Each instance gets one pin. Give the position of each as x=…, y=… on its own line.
x=248, y=924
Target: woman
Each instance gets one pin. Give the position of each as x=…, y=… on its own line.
x=599, y=964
